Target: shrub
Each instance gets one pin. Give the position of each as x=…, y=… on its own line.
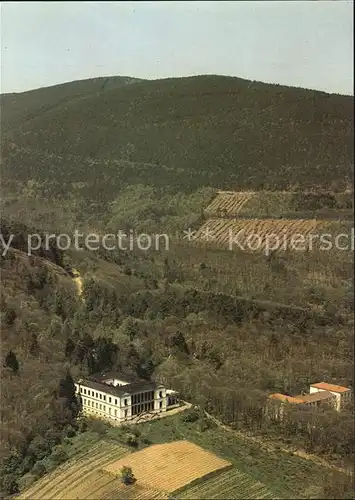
x=69, y=431
x=9, y=317
x=28, y=463
x=127, y=270
x=190, y=415
x=9, y=484
x=145, y=439
x=131, y=439
x=205, y=424
x=99, y=427
x=82, y=424
x=59, y=456
x=39, y=469
x=11, y=362
x=134, y=430
x=39, y=447
x=127, y=476
x=26, y=481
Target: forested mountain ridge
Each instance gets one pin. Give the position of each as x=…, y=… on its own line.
x=224, y=328
x=162, y=148
x=183, y=133
x=20, y=107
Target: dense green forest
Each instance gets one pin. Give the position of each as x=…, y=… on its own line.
x=166, y=317
x=185, y=133
x=120, y=153
x=223, y=328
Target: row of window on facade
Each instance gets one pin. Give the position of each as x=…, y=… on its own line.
x=136, y=398
x=136, y=408
x=96, y=395
x=100, y=406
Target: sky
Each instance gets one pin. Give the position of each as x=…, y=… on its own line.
x=298, y=43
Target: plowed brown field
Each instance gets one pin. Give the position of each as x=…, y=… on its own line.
x=170, y=466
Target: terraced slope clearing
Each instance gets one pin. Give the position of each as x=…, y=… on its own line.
x=170, y=466
x=228, y=203
x=231, y=484
x=255, y=234
x=289, y=204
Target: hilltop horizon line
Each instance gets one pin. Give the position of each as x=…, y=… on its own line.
x=137, y=79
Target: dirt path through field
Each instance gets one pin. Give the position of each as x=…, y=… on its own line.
x=78, y=283
x=270, y=446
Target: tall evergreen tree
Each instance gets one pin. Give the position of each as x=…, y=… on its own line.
x=34, y=346
x=11, y=362
x=69, y=348
x=67, y=392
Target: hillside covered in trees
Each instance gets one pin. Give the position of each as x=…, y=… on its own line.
x=224, y=328
x=185, y=133
x=116, y=152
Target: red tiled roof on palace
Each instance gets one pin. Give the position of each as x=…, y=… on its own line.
x=285, y=399
x=316, y=396
x=330, y=387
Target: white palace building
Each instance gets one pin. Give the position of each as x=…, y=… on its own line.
x=118, y=398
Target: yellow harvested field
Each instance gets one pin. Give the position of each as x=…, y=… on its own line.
x=228, y=203
x=99, y=485
x=255, y=234
x=169, y=467
x=82, y=477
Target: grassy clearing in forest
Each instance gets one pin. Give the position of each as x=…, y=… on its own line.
x=257, y=470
